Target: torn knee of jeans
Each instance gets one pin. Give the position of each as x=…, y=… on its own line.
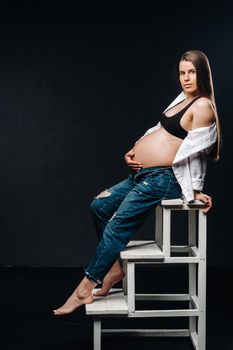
x=103, y=194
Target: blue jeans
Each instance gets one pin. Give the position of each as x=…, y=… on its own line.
x=122, y=209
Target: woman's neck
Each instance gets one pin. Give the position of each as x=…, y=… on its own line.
x=190, y=97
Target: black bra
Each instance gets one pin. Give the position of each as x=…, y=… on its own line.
x=172, y=124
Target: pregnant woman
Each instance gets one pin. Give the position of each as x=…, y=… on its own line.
x=168, y=161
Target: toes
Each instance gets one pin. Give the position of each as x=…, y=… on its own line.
x=56, y=312
x=61, y=312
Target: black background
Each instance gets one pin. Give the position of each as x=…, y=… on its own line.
x=78, y=86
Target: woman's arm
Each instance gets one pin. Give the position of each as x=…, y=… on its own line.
x=203, y=115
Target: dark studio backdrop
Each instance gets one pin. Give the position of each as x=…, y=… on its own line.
x=78, y=86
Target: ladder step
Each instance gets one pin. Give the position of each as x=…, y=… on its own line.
x=179, y=203
x=164, y=313
x=112, y=304
x=142, y=250
x=147, y=332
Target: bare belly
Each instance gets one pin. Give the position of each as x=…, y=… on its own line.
x=157, y=149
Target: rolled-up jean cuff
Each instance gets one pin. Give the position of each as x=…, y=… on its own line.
x=91, y=278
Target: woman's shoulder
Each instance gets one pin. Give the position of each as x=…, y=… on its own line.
x=203, y=103
x=203, y=111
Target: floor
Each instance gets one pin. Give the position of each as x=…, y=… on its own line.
x=28, y=296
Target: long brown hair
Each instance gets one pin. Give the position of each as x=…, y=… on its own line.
x=205, y=87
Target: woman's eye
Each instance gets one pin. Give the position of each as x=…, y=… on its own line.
x=193, y=72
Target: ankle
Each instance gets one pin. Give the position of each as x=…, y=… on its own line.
x=85, y=288
x=83, y=293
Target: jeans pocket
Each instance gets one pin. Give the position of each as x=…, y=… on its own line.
x=173, y=190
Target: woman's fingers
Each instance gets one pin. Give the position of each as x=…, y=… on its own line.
x=134, y=164
x=208, y=201
x=131, y=162
x=205, y=199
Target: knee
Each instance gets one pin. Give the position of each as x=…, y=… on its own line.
x=94, y=206
x=98, y=202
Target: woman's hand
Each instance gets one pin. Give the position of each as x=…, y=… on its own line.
x=130, y=162
x=205, y=199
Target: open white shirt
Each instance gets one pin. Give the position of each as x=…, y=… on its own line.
x=190, y=162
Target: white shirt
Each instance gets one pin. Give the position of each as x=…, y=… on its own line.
x=190, y=162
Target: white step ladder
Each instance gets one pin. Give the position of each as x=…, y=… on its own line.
x=122, y=302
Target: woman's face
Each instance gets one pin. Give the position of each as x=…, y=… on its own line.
x=188, y=77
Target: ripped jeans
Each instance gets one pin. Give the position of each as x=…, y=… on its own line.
x=119, y=211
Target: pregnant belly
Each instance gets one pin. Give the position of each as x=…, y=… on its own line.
x=156, y=149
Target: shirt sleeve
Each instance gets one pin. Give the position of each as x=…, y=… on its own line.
x=198, y=166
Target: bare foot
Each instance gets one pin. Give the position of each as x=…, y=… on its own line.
x=110, y=279
x=72, y=303
x=81, y=296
